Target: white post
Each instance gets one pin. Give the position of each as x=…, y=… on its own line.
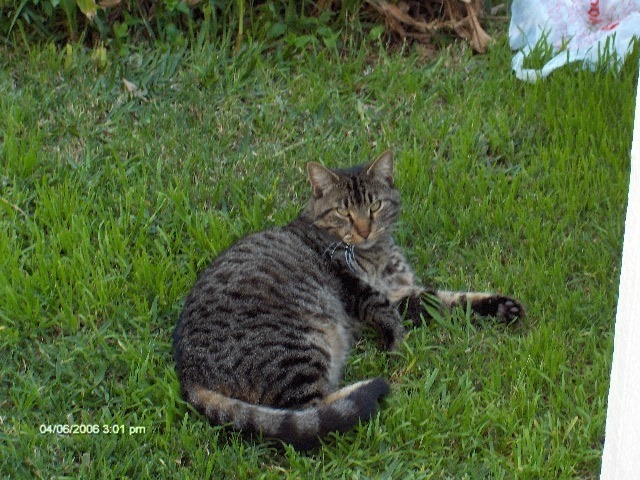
x=621, y=456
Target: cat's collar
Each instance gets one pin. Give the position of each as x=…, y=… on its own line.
x=349, y=253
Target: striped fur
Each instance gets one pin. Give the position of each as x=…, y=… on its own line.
x=264, y=334
x=302, y=428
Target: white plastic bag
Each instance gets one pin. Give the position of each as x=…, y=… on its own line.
x=578, y=30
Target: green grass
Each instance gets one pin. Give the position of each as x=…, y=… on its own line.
x=111, y=202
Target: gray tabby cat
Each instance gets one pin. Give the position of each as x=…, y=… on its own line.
x=263, y=338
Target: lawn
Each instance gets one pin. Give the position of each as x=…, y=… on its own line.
x=113, y=196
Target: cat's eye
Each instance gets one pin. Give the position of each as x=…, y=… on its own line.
x=375, y=206
x=343, y=212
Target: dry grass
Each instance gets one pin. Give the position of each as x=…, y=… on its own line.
x=421, y=19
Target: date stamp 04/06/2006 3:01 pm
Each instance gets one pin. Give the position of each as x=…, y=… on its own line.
x=91, y=429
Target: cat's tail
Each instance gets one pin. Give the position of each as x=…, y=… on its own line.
x=340, y=411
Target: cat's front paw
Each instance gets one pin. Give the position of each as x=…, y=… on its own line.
x=394, y=344
x=411, y=308
x=419, y=309
x=501, y=307
x=392, y=333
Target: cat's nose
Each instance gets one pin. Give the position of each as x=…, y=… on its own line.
x=363, y=228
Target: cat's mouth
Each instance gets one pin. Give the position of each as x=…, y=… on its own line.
x=359, y=240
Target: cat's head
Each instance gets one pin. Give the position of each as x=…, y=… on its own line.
x=356, y=205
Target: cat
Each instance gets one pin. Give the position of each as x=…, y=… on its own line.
x=264, y=334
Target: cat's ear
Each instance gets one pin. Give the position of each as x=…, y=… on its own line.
x=321, y=178
x=382, y=168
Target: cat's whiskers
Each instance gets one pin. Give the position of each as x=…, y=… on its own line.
x=386, y=229
x=335, y=246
